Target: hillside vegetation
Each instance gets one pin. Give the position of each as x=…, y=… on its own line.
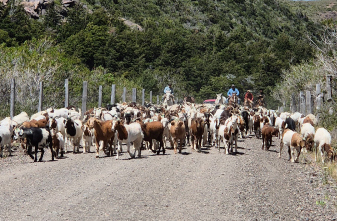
x=202, y=47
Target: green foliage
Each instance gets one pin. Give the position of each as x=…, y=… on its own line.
x=202, y=47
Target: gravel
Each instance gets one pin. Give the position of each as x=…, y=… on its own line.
x=250, y=185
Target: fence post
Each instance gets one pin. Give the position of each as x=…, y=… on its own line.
x=113, y=94
x=39, y=108
x=100, y=96
x=134, y=95
x=84, y=98
x=66, y=93
x=150, y=97
x=124, y=94
x=143, y=97
x=328, y=87
x=12, y=98
x=308, y=102
x=292, y=103
x=318, y=97
x=157, y=99
x=302, y=102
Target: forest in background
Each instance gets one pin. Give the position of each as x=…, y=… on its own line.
x=201, y=47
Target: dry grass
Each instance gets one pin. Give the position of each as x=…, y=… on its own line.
x=328, y=168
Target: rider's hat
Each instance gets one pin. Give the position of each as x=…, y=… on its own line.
x=233, y=85
x=248, y=91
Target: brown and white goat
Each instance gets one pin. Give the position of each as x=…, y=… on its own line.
x=103, y=132
x=323, y=144
x=293, y=141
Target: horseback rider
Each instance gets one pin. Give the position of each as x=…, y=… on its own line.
x=231, y=91
x=168, y=89
x=249, y=98
x=260, y=98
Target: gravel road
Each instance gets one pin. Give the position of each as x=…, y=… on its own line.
x=251, y=185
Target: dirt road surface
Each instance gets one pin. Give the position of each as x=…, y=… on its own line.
x=250, y=185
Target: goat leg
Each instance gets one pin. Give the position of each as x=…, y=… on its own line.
x=29, y=151
x=42, y=152
x=36, y=149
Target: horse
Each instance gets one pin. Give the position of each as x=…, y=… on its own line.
x=233, y=100
x=248, y=103
x=260, y=102
x=168, y=99
x=189, y=99
x=220, y=99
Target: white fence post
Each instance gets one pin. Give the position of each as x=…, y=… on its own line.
x=302, y=102
x=100, y=96
x=308, y=102
x=134, y=95
x=113, y=94
x=39, y=108
x=124, y=94
x=143, y=97
x=66, y=93
x=12, y=98
x=84, y=98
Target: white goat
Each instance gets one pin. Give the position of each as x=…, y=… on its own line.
x=5, y=138
x=127, y=134
x=308, y=133
x=278, y=124
x=323, y=143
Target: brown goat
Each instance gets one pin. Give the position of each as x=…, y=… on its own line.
x=178, y=132
x=256, y=125
x=268, y=132
x=105, y=133
x=35, y=123
x=153, y=131
x=197, y=131
x=308, y=120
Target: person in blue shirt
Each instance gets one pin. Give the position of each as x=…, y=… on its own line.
x=232, y=90
x=168, y=88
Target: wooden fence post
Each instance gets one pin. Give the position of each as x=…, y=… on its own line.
x=12, y=98
x=293, y=103
x=308, y=102
x=150, y=97
x=134, y=95
x=157, y=99
x=100, y=96
x=39, y=108
x=84, y=97
x=302, y=102
x=124, y=94
x=328, y=87
x=318, y=97
x=113, y=94
x=143, y=97
x=66, y=93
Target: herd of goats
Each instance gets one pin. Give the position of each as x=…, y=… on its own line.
x=153, y=127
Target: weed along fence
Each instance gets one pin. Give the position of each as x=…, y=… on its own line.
x=127, y=95
x=310, y=102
